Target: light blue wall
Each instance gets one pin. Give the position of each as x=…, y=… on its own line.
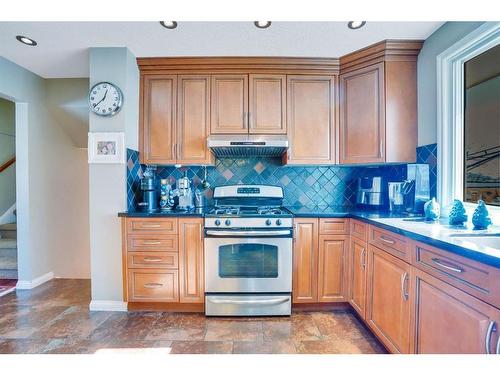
x=438, y=42
x=108, y=181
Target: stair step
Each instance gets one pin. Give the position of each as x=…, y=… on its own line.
x=8, y=227
x=8, y=274
x=8, y=243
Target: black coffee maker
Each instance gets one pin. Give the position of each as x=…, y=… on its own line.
x=149, y=194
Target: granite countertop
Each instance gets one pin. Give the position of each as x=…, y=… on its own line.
x=484, y=249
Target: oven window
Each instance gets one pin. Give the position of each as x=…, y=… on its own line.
x=248, y=261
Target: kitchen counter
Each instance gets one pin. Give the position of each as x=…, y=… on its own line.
x=198, y=212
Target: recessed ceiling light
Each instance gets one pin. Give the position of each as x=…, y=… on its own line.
x=262, y=24
x=26, y=40
x=169, y=24
x=356, y=24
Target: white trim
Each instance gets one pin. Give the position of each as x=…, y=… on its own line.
x=30, y=284
x=450, y=100
x=8, y=216
x=7, y=291
x=103, y=305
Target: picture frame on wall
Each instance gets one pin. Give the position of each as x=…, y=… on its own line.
x=106, y=148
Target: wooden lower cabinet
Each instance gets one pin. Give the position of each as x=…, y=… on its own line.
x=332, y=268
x=191, y=273
x=450, y=321
x=389, y=299
x=149, y=285
x=357, y=275
x=305, y=261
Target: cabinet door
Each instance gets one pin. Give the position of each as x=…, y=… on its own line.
x=191, y=265
x=193, y=119
x=357, y=276
x=229, y=104
x=362, y=116
x=389, y=299
x=311, y=119
x=305, y=261
x=332, y=268
x=450, y=321
x=158, y=118
x=267, y=108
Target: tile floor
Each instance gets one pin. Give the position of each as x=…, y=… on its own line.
x=54, y=318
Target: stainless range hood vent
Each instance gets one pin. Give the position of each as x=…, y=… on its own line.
x=229, y=146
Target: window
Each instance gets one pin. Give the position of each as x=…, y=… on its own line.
x=468, y=106
x=482, y=128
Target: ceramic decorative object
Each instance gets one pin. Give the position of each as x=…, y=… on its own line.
x=432, y=210
x=457, y=214
x=481, y=218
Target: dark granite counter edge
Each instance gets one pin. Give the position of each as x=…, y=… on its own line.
x=467, y=253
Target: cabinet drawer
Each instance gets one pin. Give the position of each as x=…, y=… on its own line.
x=359, y=229
x=153, y=260
x=153, y=285
x=141, y=242
x=152, y=225
x=333, y=226
x=392, y=243
x=473, y=277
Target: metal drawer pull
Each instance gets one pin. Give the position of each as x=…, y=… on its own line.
x=363, y=260
x=153, y=260
x=491, y=328
x=272, y=301
x=498, y=345
x=404, y=294
x=451, y=268
x=152, y=242
x=392, y=242
x=153, y=285
x=151, y=225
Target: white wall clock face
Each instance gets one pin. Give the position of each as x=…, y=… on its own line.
x=105, y=99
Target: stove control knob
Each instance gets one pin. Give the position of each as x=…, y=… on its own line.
x=217, y=222
x=228, y=222
x=268, y=222
x=278, y=222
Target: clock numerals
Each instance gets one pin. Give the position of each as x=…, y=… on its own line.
x=105, y=99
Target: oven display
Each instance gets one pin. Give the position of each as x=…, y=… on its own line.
x=248, y=261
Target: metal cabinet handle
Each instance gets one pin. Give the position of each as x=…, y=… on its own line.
x=451, y=268
x=151, y=225
x=245, y=120
x=173, y=150
x=153, y=285
x=392, y=242
x=151, y=243
x=404, y=294
x=271, y=301
x=363, y=259
x=152, y=260
x=498, y=346
x=487, y=339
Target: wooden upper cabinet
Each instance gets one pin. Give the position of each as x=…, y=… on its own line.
x=158, y=119
x=311, y=117
x=362, y=116
x=357, y=275
x=191, y=273
x=267, y=104
x=333, y=268
x=193, y=119
x=389, y=300
x=449, y=321
x=229, y=104
x=305, y=261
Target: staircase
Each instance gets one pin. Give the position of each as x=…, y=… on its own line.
x=8, y=251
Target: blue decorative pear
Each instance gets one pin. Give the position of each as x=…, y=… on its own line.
x=457, y=214
x=432, y=210
x=481, y=218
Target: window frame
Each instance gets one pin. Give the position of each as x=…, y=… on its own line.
x=450, y=114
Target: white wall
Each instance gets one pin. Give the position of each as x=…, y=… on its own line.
x=108, y=181
x=439, y=41
x=46, y=164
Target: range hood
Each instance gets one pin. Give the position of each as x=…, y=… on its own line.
x=230, y=146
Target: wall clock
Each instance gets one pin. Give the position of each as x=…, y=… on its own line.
x=105, y=99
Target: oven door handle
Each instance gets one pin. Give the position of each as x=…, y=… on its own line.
x=267, y=302
x=247, y=233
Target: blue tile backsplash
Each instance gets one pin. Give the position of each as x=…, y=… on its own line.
x=428, y=155
x=309, y=186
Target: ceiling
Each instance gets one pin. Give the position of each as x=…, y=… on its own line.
x=62, y=50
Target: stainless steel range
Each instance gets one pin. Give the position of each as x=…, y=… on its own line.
x=248, y=252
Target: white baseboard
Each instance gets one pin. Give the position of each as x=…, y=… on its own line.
x=7, y=291
x=30, y=284
x=8, y=216
x=102, y=305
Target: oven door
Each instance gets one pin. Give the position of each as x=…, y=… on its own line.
x=235, y=263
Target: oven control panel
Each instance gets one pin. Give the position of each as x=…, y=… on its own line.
x=248, y=222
